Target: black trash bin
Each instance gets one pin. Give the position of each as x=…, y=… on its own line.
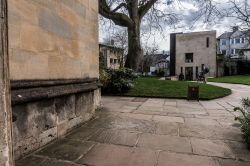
x=193, y=93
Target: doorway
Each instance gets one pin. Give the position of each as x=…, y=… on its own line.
x=189, y=73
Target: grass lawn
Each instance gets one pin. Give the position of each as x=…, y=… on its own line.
x=152, y=87
x=239, y=79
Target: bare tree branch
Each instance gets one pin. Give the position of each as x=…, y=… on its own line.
x=145, y=8
x=118, y=18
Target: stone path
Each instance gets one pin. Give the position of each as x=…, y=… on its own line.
x=153, y=132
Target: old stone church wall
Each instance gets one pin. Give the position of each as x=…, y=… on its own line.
x=53, y=55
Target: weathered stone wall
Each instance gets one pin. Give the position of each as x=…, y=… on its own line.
x=37, y=123
x=196, y=43
x=53, y=48
x=52, y=39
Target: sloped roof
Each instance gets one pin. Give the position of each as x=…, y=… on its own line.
x=225, y=35
x=110, y=46
x=229, y=34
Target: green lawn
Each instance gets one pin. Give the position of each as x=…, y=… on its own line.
x=152, y=87
x=239, y=79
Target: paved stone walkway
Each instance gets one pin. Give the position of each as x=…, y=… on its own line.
x=153, y=132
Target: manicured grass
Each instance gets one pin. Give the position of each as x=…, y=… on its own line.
x=239, y=79
x=152, y=87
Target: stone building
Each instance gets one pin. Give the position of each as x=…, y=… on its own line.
x=54, y=69
x=113, y=57
x=191, y=52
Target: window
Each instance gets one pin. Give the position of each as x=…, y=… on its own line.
x=189, y=57
x=207, y=42
x=237, y=40
x=181, y=69
x=232, y=51
x=242, y=40
x=197, y=72
x=115, y=61
x=223, y=42
x=111, y=60
x=224, y=52
x=232, y=41
x=237, y=51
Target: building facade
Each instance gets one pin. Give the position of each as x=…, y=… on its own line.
x=232, y=44
x=112, y=56
x=54, y=69
x=191, y=52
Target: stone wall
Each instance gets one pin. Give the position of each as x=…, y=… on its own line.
x=37, y=123
x=196, y=43
x=51, y=39
x=6, y=157
x=54, y=68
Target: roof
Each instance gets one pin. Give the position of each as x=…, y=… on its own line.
x=109, y=46
x=162, y=60
x=229, y=34
x=225, y=35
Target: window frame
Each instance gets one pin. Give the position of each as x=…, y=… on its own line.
x=111, y=60
x=237, y=40
x=223, y=42
x=190, y=59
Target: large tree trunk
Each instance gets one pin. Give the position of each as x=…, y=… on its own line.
x=134, y=47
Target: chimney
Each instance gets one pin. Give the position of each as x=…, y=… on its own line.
x=235, y=28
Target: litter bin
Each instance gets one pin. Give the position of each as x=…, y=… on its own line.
x=193, y=92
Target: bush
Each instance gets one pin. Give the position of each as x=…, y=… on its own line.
x=244, y=119
x=117, y=80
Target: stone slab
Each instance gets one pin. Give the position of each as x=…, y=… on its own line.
x=228, y=162
x=118, y=137
x=197, y=121
x=82, y=133
x=138, y=116
x=177, y=159
x=30, y=161
x=112, y=155
x=210, y=132
x=167, y=129
x=167, y=119
x=240, y=149
x=64, y=149
x=165, y=142
x=214, y=148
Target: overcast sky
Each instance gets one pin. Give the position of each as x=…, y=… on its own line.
x=186, y=12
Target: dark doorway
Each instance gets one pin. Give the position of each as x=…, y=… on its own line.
x=189, y=73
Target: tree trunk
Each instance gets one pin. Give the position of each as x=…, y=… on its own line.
x=134, y=47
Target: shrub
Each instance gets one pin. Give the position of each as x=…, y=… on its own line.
x=160, y=73
x=104, y=77
x=244, y=119
x=117, y=80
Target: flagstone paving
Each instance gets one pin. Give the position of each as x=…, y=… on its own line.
x=153, y=132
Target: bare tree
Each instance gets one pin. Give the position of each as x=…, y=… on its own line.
x=120, y=38
x=241, y=11
x=130, y=13
x=148, y=59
